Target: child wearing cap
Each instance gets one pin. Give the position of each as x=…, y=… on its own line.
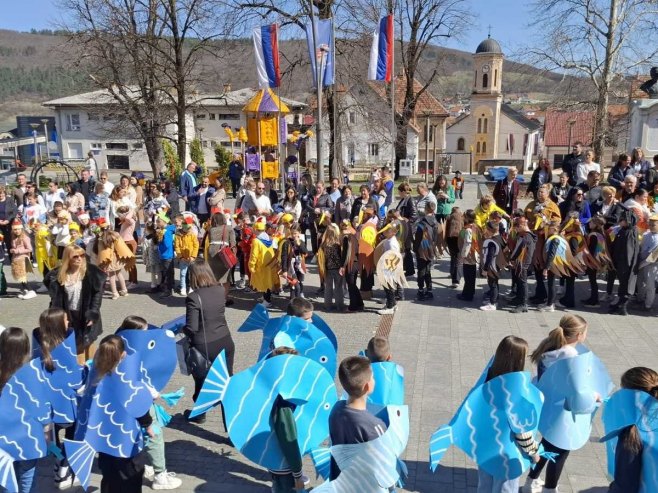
x=21, y=250
x=262, y=263
x=458, y=185
x=165, y=234
x=186, y=246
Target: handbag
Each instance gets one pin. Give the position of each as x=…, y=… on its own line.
x=226, y=255
x=197, y=362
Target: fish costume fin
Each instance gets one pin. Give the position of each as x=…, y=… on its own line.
x=324, y=327
x=440, y=442
x=214, y=386
x=80, y=456
x=7, y=474
x=321, y=461
x=257, y=319
x=175, y=325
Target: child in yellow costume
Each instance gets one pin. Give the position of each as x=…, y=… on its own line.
x=45, y=252
x=263, y=263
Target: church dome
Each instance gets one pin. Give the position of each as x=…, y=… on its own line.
x=489, y=45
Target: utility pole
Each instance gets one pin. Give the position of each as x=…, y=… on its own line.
x=319, y=80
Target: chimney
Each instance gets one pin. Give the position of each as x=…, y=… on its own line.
x=227, y=88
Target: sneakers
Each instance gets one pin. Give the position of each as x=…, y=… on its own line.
x=165, y=294
x=387, y=311
x=488, y=308
x=520, y=309
x=533, y=486
x=454, y=285
x=149, y=472
x=590, y=303
x=240, y=284
x=64, y=478
x=42, y=289
x=266, y=304
x=183, y=292
x=547, y=308
x=166, y=481
x=29, y=295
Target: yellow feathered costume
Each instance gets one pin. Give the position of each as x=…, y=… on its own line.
x=45, y=253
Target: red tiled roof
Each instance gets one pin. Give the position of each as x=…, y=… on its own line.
x=556, y=127
x=426, y=103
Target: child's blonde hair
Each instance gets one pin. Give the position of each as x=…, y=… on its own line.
x=331, y=235
x=567, y=332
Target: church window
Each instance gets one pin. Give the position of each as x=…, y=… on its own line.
x=485, y=81
x=461, y=144
x=485, y=126
x=477, y=148
x=475, y=82
x=484, y=147
x=479, y=125
x=495, y=78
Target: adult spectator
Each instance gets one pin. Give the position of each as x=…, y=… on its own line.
x=424, y=195
x=131, y=192
x=343, y=206
x=561, y=190
x=628, y=189
x=406, y=208
x=8, y=211
x=107, y=185
x=91, y=165
x=608, y=206
x=202, y=192
x=388, y=185
x=445, y=197
x=291, y=204
x=216, y=200
x=639, y=166
x=575, y=203
x=74, y=200
x=173, y=199
x=542, y=210
x=235, y=174
x=542, y=175
x=586, y=166
x=320, y=210
x=506, y=192
x=187, y=185
x=77, y=287
x=619, y=171
x=19, y=191
x=651, y=176
x=31, y=188
x=205, y=322
x=270, y=191
x=592, y=187
x=257, y=203
x=571, y=161
x=360, y=203
x=99, y=204
x=220, y=235
x=85, y=185
x=335, y=191
x=54, y=194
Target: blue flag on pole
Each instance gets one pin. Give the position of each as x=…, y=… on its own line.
x=324, y=50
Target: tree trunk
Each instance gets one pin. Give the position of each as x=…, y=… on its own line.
x=154, y=151
x=332, y=131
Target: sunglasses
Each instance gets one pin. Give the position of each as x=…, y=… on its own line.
x=260, y=188
x=77, y=256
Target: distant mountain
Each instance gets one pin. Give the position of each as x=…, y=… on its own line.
x=37, y=66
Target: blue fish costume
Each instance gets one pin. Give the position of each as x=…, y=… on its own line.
x=23, y=413
x=389, y=384
x=486, y=422
x=64, y=381
x=317, y=342
x=633, y=407
x=108, y=418
x=176, y=324
x=248, y=398
x=157, y=352
x=369, y=467
x=569, y=386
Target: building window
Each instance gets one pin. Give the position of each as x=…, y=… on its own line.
x=212, y=116
x=373, y=150
x=484, y=147
x=557, y=160
x=495, y=78
x=352, y=118
x=485, y=81
x=73, y=122
x=75, y=150
x=201, y=116
x=477, y=148
x=118, y=162
x=479, y=125
x=485, y=126
x=475, y=82
x=461, y=144
x=351, y=153
x=96, y=146
x=116, y=146
x=92, y=117
x=204, y=144
x=138, y=146
x=213, y=143
x=428, y=132
x=228, y=116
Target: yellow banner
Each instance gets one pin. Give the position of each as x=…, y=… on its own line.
x=270, y=169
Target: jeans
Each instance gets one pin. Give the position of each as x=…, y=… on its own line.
x=453, y=248
x=24, y=470
x=522, y=287
x=183, y=265
x=424, y=274
x=492, y=282
x=154, y=451
x=554, y=469
x=390, y=297
x=488, y=484
x=167, y=277
x=333, y=289
x=470, y=273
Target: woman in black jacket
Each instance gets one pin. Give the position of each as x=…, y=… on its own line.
x=7, y=214
x=205, y=323
x=407, y=210
x=541, y=175
x=77, y=287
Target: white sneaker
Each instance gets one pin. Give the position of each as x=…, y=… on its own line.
x=240, y=284
x=266, y=304
x=166, y=481
x=547, y=308
x=21, y=294
x=387, y=311
x=29, y=295
x=488, y=307
x=532, y=486
x=64, y=478
x=149, y=472
x=42, y=289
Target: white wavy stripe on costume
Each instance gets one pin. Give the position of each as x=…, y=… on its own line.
x=441, y=451
x=648, y=460
x=145, y=374
x=471, y=437
x=270, y=400
x=61, y=366
x=496, y=427
x=106, y=437
x=134, y=388
x=244, y=398
x=10, y=387
x=7, y=470
x=315, y=416
x=110, y=415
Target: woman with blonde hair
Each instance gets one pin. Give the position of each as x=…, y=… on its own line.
x=77, y=287
x=329, y=262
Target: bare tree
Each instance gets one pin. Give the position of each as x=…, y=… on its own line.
x=603, y=40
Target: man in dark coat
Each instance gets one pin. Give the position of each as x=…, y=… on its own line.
x=506, y=192
x=571, y=162
x=319, y=204
x=624, y=251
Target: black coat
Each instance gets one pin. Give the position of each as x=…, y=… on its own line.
x=92, y=297
x=407, y=209
x=205, y=320
x=570, y=165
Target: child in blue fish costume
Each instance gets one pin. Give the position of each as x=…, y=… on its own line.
x=496, y=424
x=574, y=383
x=55, y=349
x=24, y=413
x=113, y=411
x=630, y=419
x=388, y=375
x=157, y=351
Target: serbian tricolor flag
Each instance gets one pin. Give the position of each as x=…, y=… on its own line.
x=266, y=47
x=381, y=53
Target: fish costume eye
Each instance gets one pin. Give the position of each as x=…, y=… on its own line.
x=399, y=413
x=151, y=344
x=323, y=359
x=327, y=406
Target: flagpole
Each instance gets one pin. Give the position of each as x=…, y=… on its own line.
x=335, y=171
x=318, y=96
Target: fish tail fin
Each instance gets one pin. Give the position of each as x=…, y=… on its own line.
x=322, y=461
x=80, y=456
x=440, y=442
x=214, y=386
x=256, y=320
x=7, y=474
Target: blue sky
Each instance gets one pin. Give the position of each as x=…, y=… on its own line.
x=508, y=20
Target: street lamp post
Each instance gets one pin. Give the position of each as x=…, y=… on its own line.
x=45, y=132
x=35, y=126
x=571, y=123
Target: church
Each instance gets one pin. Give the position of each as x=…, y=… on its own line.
x=492, y=129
